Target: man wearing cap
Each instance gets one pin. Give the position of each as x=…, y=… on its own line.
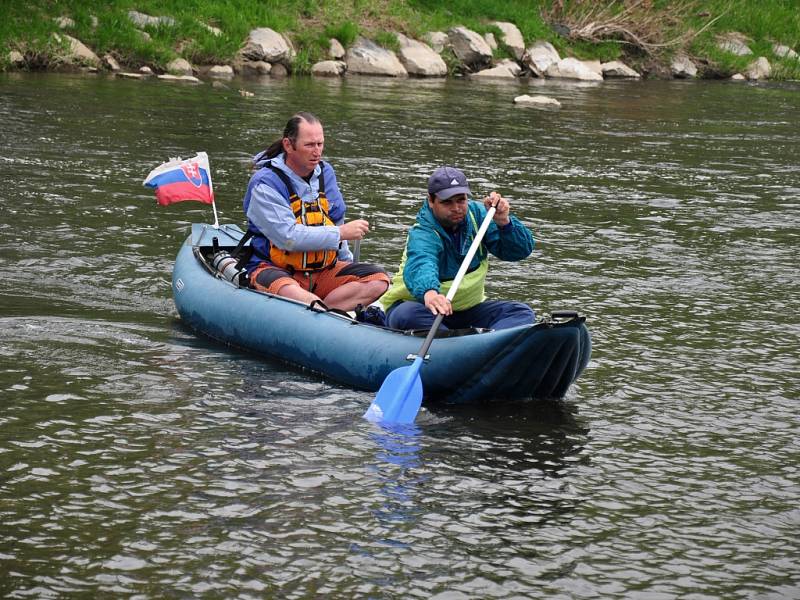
x=436, y=246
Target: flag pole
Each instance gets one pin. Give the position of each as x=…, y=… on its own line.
x=213, y=204
x=216, y=219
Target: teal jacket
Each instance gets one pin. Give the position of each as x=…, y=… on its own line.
x=433, y=255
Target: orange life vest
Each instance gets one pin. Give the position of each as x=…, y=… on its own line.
x=310, y=214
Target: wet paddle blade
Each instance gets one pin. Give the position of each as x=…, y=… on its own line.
x=399, y=398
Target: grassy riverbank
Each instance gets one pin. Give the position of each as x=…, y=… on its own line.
x=646, y=33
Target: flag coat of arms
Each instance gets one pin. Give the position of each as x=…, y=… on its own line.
x=179, y=180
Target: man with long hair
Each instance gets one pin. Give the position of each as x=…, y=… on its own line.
x=296, y=214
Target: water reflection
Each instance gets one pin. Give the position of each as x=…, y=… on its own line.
x=524, y=454
x=396, y=460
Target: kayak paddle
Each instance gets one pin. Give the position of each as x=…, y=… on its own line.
x=400, y=396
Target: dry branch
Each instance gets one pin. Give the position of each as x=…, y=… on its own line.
x=635, y=22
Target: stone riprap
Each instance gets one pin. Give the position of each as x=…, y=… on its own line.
x=264, y=44
x=511, y=38
x=682, y=67
x=758, y=69
x=618, y=69
x=329, y=68
x=782, y=51
x=366, y=57
x=572, y=68
x=437, y=40
x=335, y=49
x=539, y=57
x=460, y=50
x=735, y=43
x=470, y=48
x=419, y=59
x=180, y=66
x=505, y=69
x=76, y=53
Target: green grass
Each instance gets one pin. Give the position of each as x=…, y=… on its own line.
x=346, y=32
x=763, y=22
x=28, y=27
x=779, y=19
x=476, y=14
x=386, y=39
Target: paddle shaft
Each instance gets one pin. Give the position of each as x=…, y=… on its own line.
x=457, y=281
x=357, y=246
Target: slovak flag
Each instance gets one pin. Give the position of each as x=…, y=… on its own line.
x=179, y=180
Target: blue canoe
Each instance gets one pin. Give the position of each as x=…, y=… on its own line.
x=535, y=361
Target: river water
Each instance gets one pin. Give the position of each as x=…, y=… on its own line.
x=138, y=459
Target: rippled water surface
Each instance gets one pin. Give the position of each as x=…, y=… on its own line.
x=138, y=459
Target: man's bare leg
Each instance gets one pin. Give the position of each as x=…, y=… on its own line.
x=350, y=295
x=295, y=292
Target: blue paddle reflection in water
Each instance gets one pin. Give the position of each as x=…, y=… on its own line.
x=397, y=455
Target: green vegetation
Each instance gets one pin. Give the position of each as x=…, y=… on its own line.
x=386, y=39
x=764, y=23
x=346, y=32
x=643, y=32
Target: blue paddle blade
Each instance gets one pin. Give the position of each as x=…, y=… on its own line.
x=399, y=398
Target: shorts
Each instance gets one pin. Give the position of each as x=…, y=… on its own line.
x=269, y=278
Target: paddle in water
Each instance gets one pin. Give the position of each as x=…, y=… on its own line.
x=400, y=396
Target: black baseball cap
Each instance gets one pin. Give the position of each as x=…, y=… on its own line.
x=446, y=182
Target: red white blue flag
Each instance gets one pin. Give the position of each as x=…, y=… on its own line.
x=179, y=180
